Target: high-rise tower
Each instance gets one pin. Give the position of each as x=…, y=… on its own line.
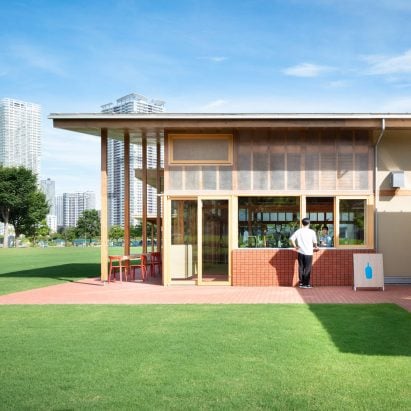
x=48, y=187
x=20, y=134
x=74, y=204
x=131, y=103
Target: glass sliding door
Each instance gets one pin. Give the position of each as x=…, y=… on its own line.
x=184, y=241
x=214, y=241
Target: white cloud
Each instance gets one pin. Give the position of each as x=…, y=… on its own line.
x=306, y=70
x=399, y=105
x=215, y=59
x=291, y=103
x=37, y=58
x=214, y=104
x=72, y=160
x=74, y=150
x=338, y=84
x=380, y=65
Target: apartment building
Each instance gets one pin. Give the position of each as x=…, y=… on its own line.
x=70, y=206
x=48, y=187
x=20, y=134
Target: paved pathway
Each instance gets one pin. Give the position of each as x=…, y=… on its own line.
x=92, y=291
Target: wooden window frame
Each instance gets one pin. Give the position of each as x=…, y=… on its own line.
x=368, y=222
x=226, y=136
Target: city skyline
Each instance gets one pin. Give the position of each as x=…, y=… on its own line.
x=251, y=56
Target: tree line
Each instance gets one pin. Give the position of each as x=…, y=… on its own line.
x=24, y=206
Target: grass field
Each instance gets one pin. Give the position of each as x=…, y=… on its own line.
x=196, y=357
x=236, y=357
x=27, y=268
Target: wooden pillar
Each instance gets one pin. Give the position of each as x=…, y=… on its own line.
x=104, y=207
x=152, y=236
x=126, y=193
x=158, y=183
x=144, y=184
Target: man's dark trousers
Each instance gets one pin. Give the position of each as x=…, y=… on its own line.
x=305, y=263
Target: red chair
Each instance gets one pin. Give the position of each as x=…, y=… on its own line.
x=156, y=263
x=118, y=262
x=146, y=263
x=139, y=263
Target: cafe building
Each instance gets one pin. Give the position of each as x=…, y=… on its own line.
x=232, y=188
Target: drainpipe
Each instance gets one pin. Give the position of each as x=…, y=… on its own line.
x=377, y=196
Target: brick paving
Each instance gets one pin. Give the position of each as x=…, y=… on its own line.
x=93, y=291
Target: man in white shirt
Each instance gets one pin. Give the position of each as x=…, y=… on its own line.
x=304, y=240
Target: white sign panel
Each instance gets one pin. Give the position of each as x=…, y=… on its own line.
x=368, y=271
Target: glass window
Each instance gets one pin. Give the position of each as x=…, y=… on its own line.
x=321, y=213
x=267, y=221
x=183, y=222
x=352, y=222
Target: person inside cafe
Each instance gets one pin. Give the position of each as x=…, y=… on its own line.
x=325, y=239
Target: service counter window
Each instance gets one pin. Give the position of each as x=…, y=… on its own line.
x=320, y=211
x=338, y=222
x=267, y=221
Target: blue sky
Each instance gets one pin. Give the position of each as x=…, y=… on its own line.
x=199, y=56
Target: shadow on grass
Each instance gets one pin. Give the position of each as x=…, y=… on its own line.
x=373, y=329
x=64, y=272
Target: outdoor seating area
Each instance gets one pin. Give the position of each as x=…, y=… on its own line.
x=134, y=267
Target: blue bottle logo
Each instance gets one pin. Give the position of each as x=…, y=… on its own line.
x=368, y=272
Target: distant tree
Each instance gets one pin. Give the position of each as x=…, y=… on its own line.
x=116, y=232
x=22, y=204
x=88, y=224
x=42, y=230
x=69, y=233
x=136, y=231
x=56, y=236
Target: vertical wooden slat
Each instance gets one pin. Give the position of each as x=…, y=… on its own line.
x=144, y=187
x=126, y=193
x=235, y=173
x=166, y=156
x=104, y=207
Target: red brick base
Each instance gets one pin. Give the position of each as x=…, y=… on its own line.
x=279, y=267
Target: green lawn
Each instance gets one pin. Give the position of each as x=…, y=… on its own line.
x=199, y=357
x=27, y=268
x=222, y=357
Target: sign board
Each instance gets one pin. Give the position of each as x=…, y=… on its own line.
x=368, y=271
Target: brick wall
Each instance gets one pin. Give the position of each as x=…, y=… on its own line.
x=279, y=267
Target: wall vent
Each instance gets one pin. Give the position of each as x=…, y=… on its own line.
x=397, y=179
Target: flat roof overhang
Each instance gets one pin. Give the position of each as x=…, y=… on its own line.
x=154, y=125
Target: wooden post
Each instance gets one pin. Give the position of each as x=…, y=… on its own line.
x=152, y=236
x=104, y=207
x=144, y=184
x=159, y=198
x=126, y=193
